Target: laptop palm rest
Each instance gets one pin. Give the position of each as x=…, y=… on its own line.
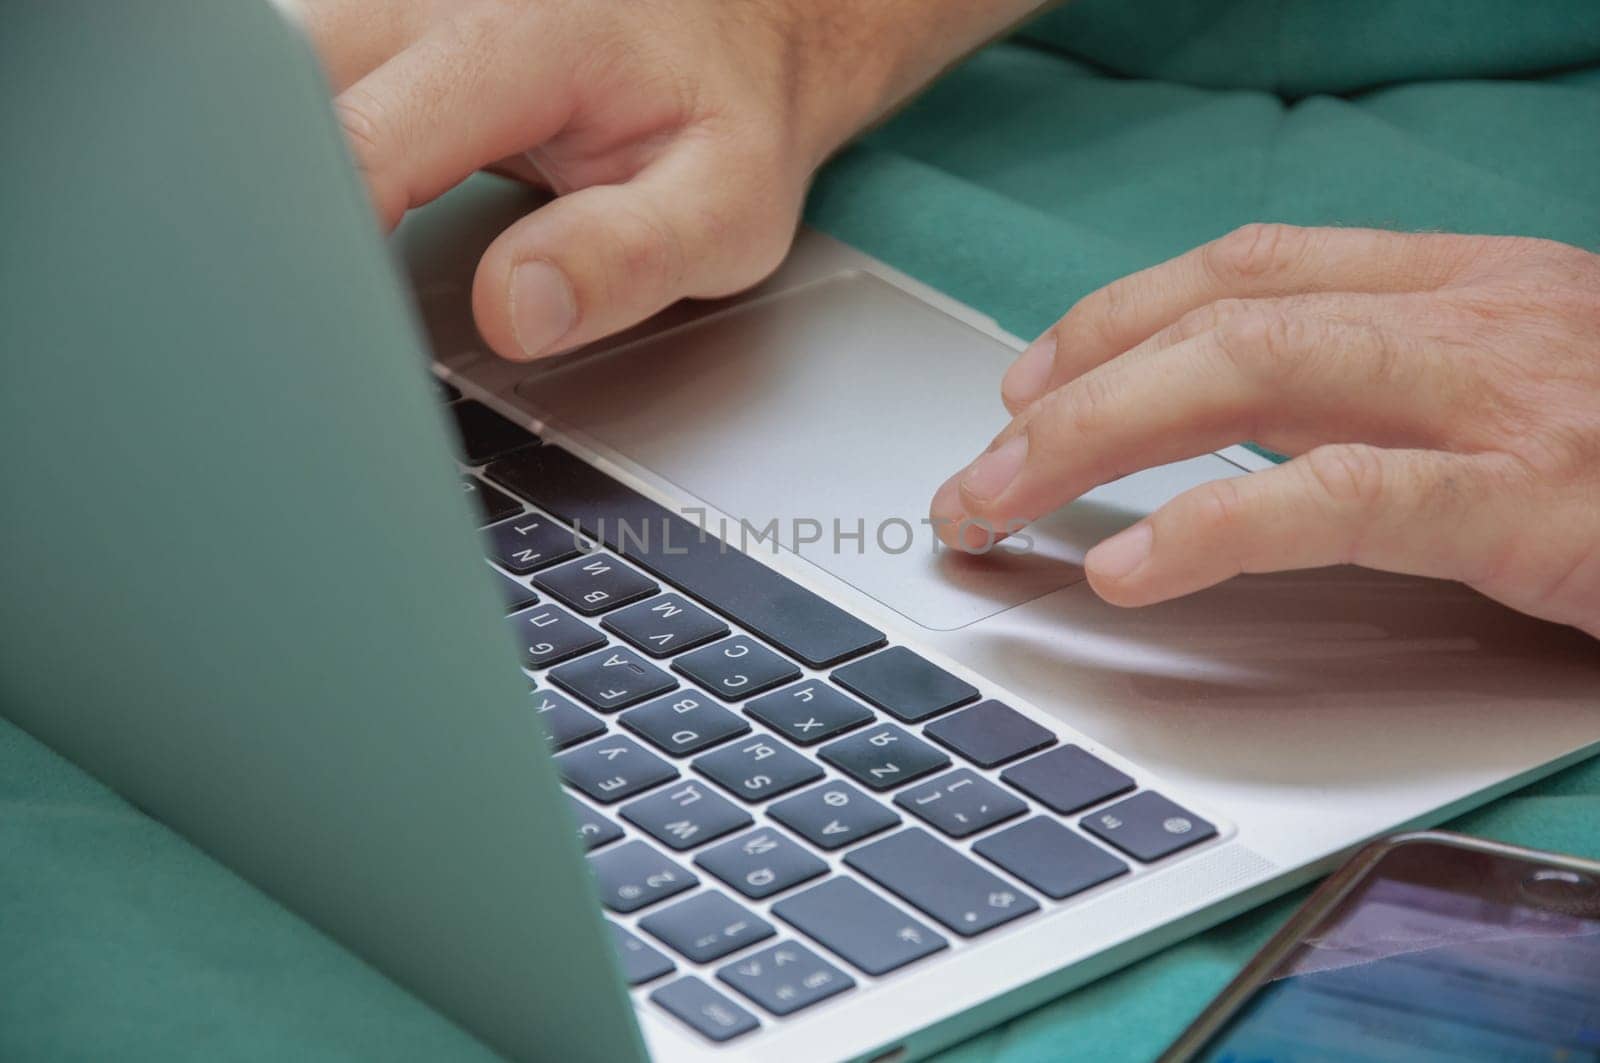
x=822, y=419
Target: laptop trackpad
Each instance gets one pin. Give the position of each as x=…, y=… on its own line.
x=827, y=416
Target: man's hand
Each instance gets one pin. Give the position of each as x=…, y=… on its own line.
x=1442, y=394
x=678, y=135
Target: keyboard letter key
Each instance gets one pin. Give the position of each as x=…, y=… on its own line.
x=612, y=768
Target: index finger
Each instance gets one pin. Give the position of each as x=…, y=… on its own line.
x=1256, y=261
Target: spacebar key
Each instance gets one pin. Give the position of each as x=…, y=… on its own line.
x=770, y=604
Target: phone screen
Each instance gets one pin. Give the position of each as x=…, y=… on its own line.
x=1441, y=954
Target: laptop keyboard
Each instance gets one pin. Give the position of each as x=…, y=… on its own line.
x=775, y=802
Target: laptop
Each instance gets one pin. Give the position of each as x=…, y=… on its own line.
x=617, y=707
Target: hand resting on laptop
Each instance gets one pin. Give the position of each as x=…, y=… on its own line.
x=679, y=137
x=1441, y=394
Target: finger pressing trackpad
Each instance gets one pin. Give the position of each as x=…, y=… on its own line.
x=821, y=420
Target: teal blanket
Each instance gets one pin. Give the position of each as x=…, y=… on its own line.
x=1110, y=136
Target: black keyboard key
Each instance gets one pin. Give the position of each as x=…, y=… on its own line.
x=760, y=863
x=990, y=734
x=613, y=768
x=665, y=625
x=709, y=1012
x=447, y=391
x=523, y=544
x=482, y=434
x=786, y=977
x=683, y=816
x=492, y=503
x=884, y=757
x=868, y=931
x=518, y=594
x=564, y=722
x=736, y=668
x=683, y=722
x=640, y=962
x=707, y=926
x=961, y=803
x=594, y=583
x=548, y=635
x=809, y=712
x=833, y=815
x=674, y=550
x=1067, y=779
x=925, y=872
x=904, y=685
x=1148, y=826
x=635, y=874
x=612, y=678
x=757, y=768
x=1049, y=857
x=594, y=830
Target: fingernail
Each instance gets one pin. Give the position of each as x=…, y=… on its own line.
x=993, y=471
x=543, y=308
x=1122, y=553
x=1030, y=373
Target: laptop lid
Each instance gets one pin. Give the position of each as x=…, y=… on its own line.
x=240, y=583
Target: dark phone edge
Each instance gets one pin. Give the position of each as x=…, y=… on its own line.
x=1323, y=900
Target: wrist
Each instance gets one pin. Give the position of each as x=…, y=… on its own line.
x=852, y=62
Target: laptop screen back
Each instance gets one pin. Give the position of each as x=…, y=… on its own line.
x=240, y=583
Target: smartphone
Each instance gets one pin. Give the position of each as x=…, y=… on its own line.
x=1425, y=947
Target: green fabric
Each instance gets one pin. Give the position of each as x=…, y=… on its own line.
x=1297, y=47
x=120, y=941
x=1031, y=175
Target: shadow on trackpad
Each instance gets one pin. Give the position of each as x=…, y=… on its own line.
x=822, y=419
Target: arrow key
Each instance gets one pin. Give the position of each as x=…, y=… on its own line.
x=785, y=978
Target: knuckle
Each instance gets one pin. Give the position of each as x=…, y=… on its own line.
x=1063, y=418
x=1387, y=353
x=1084, y=407
x=649, y=251
x=1208, y=318
x=1102, y=314
x=764, y=234
x=1264, y=344
x=1258, y=251
x=1217, y=511
x=1349, y=476
x=361, y=116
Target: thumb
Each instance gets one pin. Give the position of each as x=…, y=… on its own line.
x=600, y=259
